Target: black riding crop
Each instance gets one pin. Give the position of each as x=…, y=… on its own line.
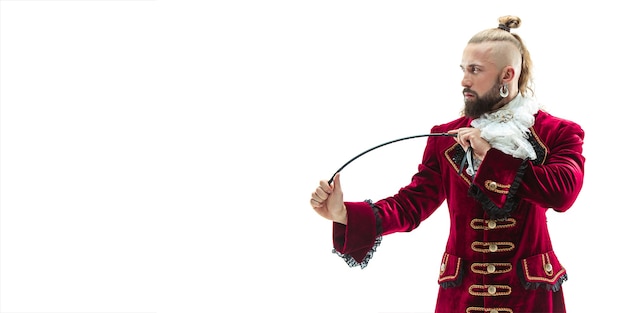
x=386, y=143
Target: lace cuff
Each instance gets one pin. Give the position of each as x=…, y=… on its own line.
x=353, y=263
x=364, y=254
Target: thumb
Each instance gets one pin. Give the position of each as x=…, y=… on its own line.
x=337, y=183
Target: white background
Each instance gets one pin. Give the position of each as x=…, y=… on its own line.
x=159, y=156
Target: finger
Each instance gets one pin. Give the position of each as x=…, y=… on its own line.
x=463, y=141
x=318, y=201
x=325, y=186
x=315, y=203
x=320, y=194
x=460, y=138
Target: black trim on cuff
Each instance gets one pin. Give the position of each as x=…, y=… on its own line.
x=352, y=262
x=511, y=200
x=379, y=222
x=379, y=230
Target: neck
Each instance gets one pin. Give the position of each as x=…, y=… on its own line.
x=504, y=102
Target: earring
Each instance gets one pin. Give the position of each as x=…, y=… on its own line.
x=504, y=91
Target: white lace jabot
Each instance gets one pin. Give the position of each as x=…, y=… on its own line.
x=508, y=128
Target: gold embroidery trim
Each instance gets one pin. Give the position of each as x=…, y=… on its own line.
x=482, y=224
x=486, y=247
x=483, y=290
x=547, y=267
x=481, y=268
x=445, y=264
x=487, y=310
x=494, y=186
x=456, y=168
x=545, y=155
x=549, y=280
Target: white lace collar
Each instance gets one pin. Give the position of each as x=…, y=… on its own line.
x=508, y=128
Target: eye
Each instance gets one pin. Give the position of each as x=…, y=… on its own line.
x=471, y=68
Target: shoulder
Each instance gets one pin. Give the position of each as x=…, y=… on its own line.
x=457, y=123
x=557, y=131
x=549, y=122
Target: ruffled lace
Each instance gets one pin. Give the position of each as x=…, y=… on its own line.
x=379, y=230
x=508, y=128
x=353, y=263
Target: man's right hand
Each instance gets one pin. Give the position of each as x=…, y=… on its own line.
x=327, y=201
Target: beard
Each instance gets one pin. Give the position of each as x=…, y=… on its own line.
x=476, y=107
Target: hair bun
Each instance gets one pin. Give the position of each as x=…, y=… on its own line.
x=509, y=21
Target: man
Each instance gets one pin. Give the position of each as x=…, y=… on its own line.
x=508, y=164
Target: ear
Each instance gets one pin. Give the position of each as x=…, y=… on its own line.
x=508, y=73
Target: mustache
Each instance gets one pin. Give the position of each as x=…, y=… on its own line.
x=467, y=90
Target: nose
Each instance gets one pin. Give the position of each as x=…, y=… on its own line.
x=466, y=82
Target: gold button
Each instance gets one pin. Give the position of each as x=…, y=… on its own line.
x=443, y=267
x=491, y=268
x=492, y=224
x=491, y=290
x=493, y=311
x=492, y=185
x=548, y=267
x=493, y=247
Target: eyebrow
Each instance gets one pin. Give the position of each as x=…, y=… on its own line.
x=471, y=65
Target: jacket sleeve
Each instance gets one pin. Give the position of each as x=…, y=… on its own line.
x=502, y=180
x=367, y=221
x=415, y=202
x=357, y=241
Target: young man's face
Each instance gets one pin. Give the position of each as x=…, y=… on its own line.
x=481, y=79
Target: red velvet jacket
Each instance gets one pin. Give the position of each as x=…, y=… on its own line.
x=498, y=257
